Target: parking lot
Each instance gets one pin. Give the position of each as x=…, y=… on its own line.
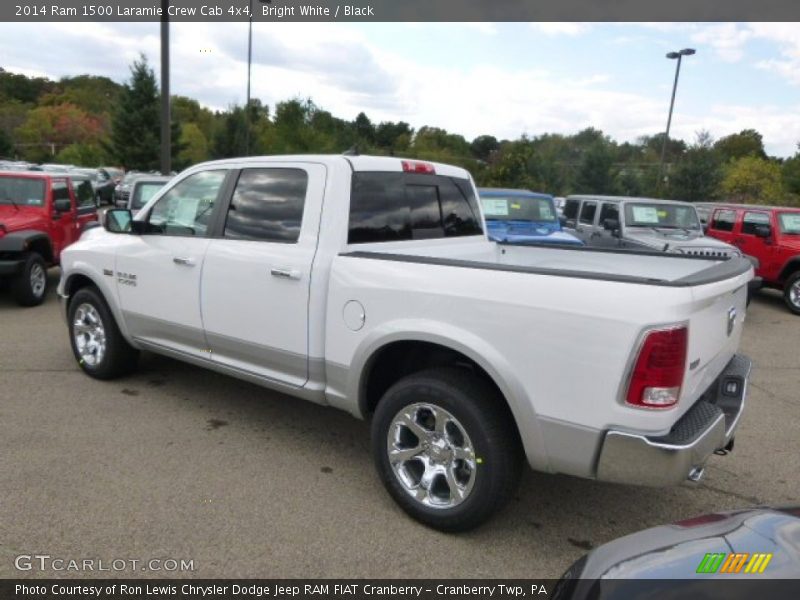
x=177, y=462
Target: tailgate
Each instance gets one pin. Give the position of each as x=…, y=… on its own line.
x=715, y=328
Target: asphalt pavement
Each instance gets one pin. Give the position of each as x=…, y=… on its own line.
x=179, y=463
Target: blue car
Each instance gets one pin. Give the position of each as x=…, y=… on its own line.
x=523, y=217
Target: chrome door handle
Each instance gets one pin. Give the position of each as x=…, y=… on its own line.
x=183, y=261
x=286, y=273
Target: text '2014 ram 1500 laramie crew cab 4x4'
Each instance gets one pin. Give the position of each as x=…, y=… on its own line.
x=368, y=284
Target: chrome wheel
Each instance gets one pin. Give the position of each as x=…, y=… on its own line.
x=431, y=455
x=89, y=335
x=38, y=279
x=794, y=293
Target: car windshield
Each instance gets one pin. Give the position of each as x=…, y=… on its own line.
x=22, y=191
x=790, y=223
x=518, y=208
x=143, y=192
x=667, y=216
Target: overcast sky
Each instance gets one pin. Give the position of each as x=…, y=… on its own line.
x=503, y=79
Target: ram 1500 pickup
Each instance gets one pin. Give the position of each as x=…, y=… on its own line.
x=368, y=284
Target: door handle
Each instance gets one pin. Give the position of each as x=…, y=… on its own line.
x=183, y=261
x=286, y=273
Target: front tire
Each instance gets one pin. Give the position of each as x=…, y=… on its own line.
x=30, y=286
x=446, y=448
x=791, y=292
x=97, y=343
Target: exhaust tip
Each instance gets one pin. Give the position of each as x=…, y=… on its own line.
x=696, y=474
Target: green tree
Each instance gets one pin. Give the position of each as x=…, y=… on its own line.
x=483, y=146
x=698, y=174
x=84, y=155
x=753, y=180
x=6, y=145
x=195, y=146
x=791, y=173
x=747, y=142
x=136, y=123
x=48, y=129
x=594, y=174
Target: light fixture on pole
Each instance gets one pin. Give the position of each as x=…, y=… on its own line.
x=672, y=56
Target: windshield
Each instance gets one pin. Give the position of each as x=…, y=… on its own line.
x=518, y=208
x=143, y=193
x=667, y=216
x=22, y=191
x=790, y=223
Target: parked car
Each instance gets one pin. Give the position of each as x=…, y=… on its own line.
x=141, y=189
x=367, y=284
x=771, y=235
x=522, y=217
x=122, y=189
x=102, y=183
x=682, y=557
x=641, y=223
x=40, y=215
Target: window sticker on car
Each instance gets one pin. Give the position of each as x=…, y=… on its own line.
x=662, y=214
x=645, y=214
x=495, y=207
x=516, y=205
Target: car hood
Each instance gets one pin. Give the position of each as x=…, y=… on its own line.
x=16, y=220
x=537, y=231
x=675, y=238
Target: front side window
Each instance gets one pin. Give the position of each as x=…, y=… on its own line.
x=724, y=220
x=387, y=207
x=186, y=208
x=789, y=223
x=84, y=193
x=587, y=212
x=518, y=208
x=752, y=220
x=21, y=191
x=571, y=209
x=609, y=210
x=267, y=205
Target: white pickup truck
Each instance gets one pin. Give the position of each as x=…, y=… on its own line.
x=368, y=284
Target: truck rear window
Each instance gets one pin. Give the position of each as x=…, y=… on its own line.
x=22, y=191
x=387, y=207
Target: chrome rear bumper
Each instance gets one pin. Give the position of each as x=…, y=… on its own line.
x=708, y=426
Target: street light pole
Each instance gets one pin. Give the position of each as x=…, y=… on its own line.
x=672, y=56
x=249, y=67
x=166, y=137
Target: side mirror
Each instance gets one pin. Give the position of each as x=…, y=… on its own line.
x=763, y=231
x=118, y=220
x=610, y=224
x=62, y=205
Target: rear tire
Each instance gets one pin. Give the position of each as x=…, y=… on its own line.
x=455, y=451
x=791, y=292
x=97, y=343
x=30, y=286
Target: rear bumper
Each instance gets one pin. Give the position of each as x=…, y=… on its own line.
x=709, y=425
x=10, y=267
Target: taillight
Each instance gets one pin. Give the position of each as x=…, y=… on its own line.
x=416, y=166
x=658, y=373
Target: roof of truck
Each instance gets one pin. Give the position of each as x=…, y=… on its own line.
x=357, y=163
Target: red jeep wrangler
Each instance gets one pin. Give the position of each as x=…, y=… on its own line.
x=40, y=215
x=770, y=234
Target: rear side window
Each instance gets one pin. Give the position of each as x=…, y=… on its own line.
x=267, y=205
x=571, y=209
x=587, y=212
x=386, y=207
x=724, y=220
x=752, y=220
x=84, y=193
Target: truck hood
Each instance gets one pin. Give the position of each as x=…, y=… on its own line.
x=16, y=220
x=521, y=232
x=673, y=237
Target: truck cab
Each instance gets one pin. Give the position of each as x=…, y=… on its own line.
x=40, y=215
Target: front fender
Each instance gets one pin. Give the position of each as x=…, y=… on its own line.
x=468, y=344
x=19, y=241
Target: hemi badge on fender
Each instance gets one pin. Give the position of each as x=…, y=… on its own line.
x=693, y=364
x=108, y=272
